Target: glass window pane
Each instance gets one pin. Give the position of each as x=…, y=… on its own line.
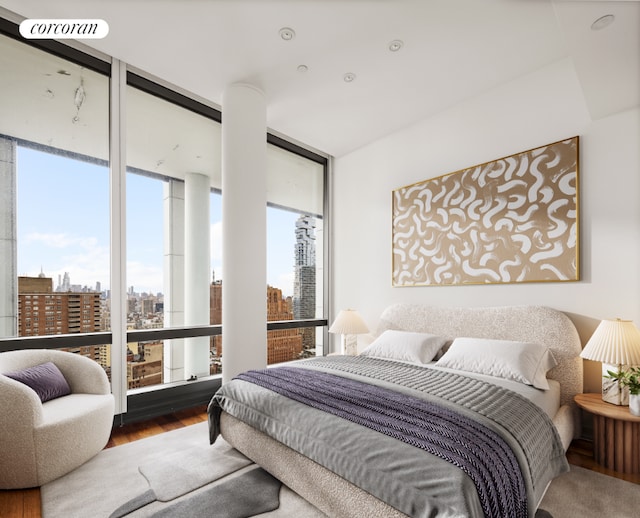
x=294, y=252
x=168, y=148
x=215, y=293
x=54, y=140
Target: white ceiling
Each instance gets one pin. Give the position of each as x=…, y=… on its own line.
x=453, y=50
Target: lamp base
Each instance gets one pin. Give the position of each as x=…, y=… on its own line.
x=350, y=345
x=612, y=391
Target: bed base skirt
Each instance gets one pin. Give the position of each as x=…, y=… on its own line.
x=332, y=494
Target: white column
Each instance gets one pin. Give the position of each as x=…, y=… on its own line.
x=196, y=271
x=8, y=240
x=174, y=229
x=244, y=216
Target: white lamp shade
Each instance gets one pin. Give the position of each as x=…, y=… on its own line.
x=348, y=322
x=616, y=342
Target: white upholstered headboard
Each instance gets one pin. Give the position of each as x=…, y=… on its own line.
x=539, y=324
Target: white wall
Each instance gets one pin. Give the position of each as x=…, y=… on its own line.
x=531, y=111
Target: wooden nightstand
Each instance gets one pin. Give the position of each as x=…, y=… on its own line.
x=616, y=433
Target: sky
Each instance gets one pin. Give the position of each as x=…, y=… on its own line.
x=63, y=226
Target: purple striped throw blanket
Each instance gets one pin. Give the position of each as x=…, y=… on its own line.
x=477, y=450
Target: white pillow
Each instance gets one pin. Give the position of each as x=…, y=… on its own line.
x=405, y=345
x=525, y=362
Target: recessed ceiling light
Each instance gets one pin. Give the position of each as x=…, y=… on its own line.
x=349, y=77
x=287, y=34
x=302, y=68
x=395, y=45
x=602, y=22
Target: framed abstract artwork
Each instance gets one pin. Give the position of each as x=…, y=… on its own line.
x=511, y=220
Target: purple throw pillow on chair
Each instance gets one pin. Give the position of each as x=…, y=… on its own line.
x=45, y=379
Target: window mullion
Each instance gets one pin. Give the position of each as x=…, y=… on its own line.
x=117, y=164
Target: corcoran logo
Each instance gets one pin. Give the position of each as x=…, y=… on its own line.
x=63, y=29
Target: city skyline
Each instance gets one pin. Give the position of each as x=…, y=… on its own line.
x=73, y=237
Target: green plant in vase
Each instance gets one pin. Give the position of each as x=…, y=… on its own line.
x=630, y=379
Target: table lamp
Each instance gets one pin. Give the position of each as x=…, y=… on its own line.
x=349, y=323
x=615, y=343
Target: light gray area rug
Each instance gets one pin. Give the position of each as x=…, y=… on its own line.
x=174, y=474
x=582, y=493
x=178, y=474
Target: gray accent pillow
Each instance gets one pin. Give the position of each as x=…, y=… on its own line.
x=45, y=379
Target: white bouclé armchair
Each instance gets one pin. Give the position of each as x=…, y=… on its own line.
x=40, y=442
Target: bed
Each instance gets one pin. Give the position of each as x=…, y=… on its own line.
x=331, y=428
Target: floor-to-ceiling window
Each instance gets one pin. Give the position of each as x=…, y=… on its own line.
x=295, y=222
x=173, y=163
x=59, y=214
x=54, y=213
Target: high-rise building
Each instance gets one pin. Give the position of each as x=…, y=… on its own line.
x=65, y=285
x=215, y=302
x=282, y=344
x=41, y=311
x=215, y=309
x=304, y=283
x=148, y=305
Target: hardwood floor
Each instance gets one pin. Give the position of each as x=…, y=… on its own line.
x=133, y=432
x=26, y=503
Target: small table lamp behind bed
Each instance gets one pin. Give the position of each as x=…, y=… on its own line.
x=349, y=323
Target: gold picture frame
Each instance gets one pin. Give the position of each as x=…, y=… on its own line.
x=511, y=220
